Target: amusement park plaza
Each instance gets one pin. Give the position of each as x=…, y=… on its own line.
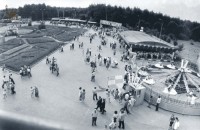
x=129, y=70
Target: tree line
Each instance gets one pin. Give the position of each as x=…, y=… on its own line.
x=132, y=18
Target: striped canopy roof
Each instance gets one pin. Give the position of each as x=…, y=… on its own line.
x=141, y=38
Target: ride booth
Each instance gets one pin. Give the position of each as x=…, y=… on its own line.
x=134, y=89
x=138, y=91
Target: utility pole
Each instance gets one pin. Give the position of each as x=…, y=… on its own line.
x=106, y=12
x=63, y=13
x=42, y=14
x=161, y=28
x=58, y=12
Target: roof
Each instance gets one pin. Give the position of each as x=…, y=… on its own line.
x=137, y=37
x=73, y=20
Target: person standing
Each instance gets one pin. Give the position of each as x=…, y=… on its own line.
x=80, y=93
x=32, y=91
x=171, y=122
x=158, y=102
x=176, y=124
x=150, y=101
x=126, y=107
x=94, y=117
x=36, y=92
x=108, y=95
x=94, y=91
x=131, y=102
x=83, y=95
x=4, y=93
x=121, y=119
x=103, y=105
x=12, y=87
x=113, y=124
x=4, y=81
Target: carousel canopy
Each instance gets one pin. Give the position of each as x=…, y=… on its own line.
x=141, y=38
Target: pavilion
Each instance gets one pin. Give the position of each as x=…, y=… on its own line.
x=140, y=41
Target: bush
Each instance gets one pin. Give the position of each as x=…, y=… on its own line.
x=180, y=47
x=41, y=26
x=168, y=40
x=29, y=23
x=175, y=43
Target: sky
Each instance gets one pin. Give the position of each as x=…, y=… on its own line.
x=183, y=9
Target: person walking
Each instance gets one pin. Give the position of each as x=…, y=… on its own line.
x=94, y=117
x=102, y=107
x=158, y=102
x=11, y=79
x=121, y=119
x=150, y=101
x=99, y=102
x=176, y=124
x=94, y=91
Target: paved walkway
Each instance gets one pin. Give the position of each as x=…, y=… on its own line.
x=59, y=95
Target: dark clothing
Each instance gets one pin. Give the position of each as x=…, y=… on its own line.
x=99, y=102
x=157, y=106
x=102, y=107
x=126, y=107
x=11, y=79
x=95, y=96
x=121, y=124
x=36, y=92
x=94, y=120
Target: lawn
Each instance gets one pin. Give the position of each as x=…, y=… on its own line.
x=31, y=56
x=10, y=44
x=39, y=45
x=190, y=52
x=39, y=40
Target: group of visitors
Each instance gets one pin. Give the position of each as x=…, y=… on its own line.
x=8, y=85
x=25, y=71
x=118, y=120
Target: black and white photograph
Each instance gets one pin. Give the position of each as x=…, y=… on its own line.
x=99, y=64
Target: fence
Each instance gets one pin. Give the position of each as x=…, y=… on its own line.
x=171, y=104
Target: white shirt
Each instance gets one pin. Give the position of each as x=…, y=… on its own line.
x=158, y=100
x=176, y=125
